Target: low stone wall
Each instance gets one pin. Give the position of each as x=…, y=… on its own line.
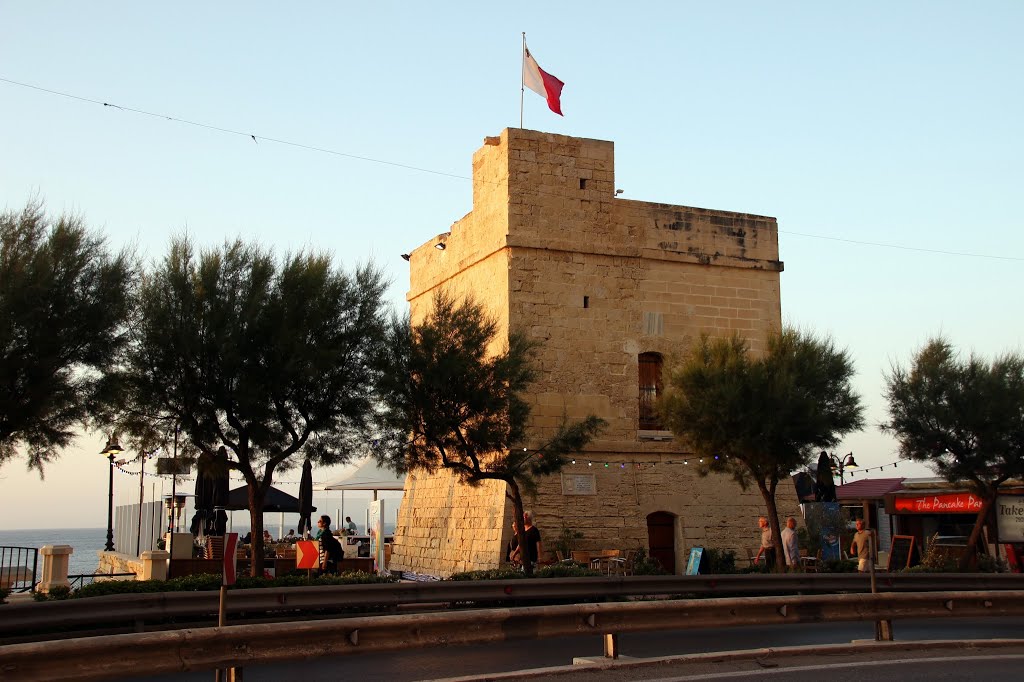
x=116, y=562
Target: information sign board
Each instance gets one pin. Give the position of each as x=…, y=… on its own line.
x=693, y=565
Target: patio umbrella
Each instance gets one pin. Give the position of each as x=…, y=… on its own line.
x=825, y=488
x=306, y=497
x=220, y=493
x=204, y=504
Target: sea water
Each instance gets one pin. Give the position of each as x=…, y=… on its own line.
x=85, y=541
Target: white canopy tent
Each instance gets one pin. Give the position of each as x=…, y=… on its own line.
x=367, y=476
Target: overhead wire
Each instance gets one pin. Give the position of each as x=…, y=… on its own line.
x=420, y=169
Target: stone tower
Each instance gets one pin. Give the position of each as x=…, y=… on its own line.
x=611, y=288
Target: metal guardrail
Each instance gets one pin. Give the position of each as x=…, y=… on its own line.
x=95, y=658
x=18, y=567
x=139, y=609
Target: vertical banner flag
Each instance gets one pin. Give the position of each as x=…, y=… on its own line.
x=230, y=558
x=542, y=82
x=376, y=531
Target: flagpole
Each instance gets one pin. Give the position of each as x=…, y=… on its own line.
x=522, y=81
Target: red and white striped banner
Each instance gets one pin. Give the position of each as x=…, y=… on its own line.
x=230, y=544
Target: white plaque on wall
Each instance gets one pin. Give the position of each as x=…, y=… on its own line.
x=1009, y=517
x=579, y=484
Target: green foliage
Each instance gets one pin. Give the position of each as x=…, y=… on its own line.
x=759, y=417
x=566, y=540
x=566, y=570
x=273, y=358
x=820, y=519
x=646, y=565
x=964, y=418
x=505, y=573
x=553, y=571
x=837, y=566
x=453, y=398
x=65, y=300
x=59, y=593
x=719, y=561
x=764, y=416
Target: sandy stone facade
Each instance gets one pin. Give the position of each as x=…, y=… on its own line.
x=598, y=281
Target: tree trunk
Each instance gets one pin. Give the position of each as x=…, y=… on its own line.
x=517, y=511
x=773, y=523
x=257, y=495
x=972, y=541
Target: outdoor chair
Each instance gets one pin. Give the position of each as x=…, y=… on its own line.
x=214, y=548
x=604, y=560
x=807, y=562
x=581, y=558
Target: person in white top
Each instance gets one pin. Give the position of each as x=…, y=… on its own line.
x=790, y=545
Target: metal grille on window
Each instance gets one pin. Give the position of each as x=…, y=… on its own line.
x=650, y=389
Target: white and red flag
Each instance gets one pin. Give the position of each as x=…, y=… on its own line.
x=542, y=82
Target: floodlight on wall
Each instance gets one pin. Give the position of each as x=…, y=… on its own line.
x=405, y=256
x=440, y=246
x=618, y=192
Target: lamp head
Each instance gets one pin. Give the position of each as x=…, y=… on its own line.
x=112, y=449
x=850, y=462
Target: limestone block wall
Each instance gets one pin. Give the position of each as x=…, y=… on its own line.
x=710, y=511
x=597, y=281
x=445, y=526
x=116, y=562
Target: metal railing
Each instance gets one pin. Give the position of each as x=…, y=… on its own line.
x=80, y=580
x=18, y=567
x=100, y=658
x=285, y=603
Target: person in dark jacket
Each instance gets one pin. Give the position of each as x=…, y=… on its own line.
x=330, y=549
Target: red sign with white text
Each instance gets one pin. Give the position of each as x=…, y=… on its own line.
x=945, y=503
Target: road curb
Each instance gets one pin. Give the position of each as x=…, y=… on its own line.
x=858, y=647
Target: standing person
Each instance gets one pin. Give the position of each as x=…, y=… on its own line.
x=330, y=549
x=790, y=545
x=533, y=546
x=767, y=548
x=861, y=547
x=350, y=526
x=512, y=551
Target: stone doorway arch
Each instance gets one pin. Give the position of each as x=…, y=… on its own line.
x=661, y=538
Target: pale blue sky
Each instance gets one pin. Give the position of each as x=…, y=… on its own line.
x=887, y=122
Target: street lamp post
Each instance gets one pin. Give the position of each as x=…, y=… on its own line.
x=111, y=450
x=840, y=465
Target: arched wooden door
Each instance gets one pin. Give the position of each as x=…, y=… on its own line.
x=661, y=538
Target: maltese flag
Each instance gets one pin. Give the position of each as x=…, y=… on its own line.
x=541, y=82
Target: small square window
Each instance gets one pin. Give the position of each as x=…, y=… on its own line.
x=583, y=183
x=586, y=301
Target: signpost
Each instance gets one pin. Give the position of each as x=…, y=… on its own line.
x=307, y=555
x=230, y=564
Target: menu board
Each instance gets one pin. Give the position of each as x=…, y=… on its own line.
x=900, y=552
x=693, y=565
